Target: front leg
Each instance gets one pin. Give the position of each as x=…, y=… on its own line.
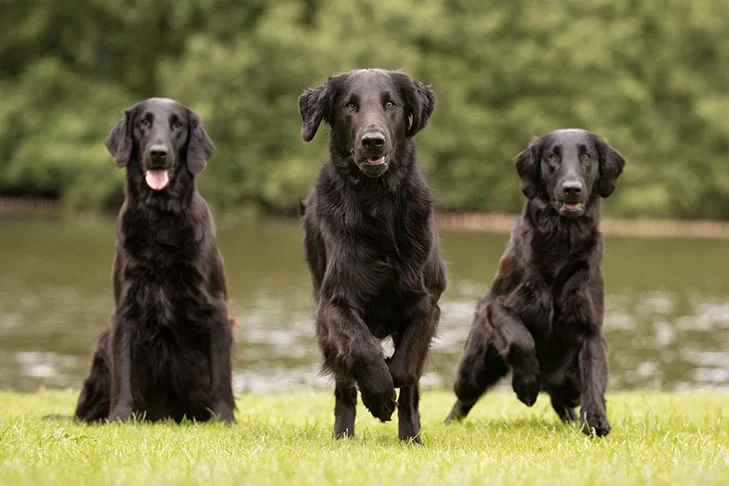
x=408, y=414
x=412, y=343
x=121, y=370
x=221, y=343
x=358, y=353
x=516, y=344
x=581, y=313
x=594, y=374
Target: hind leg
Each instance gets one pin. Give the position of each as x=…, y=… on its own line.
x=480, y=368
x=565, y=397
x=95, y=397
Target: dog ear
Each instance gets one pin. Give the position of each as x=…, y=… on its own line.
x=421, y=102
x=313, y=108
x=611, y=166
x=119, y=142
x=527, y=166
x=199, y=146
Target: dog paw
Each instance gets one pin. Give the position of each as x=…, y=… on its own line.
x=526, y=387
x=223, y=412
x=595, y=423
x=379, y=398
x=120, y=414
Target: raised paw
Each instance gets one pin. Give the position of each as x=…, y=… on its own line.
x=378, y=395
x=595, y=423
x=526, y=387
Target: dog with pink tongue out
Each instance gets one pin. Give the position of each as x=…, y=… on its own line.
x=167, y=135
x=168, y=351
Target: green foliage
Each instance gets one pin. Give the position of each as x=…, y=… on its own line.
x=286, y=439
x=651, y=76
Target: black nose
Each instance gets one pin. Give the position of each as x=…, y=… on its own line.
x=373, y=140
x=158, y=152
x=572, y=188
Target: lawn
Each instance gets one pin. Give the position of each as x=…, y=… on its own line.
x=657, y=438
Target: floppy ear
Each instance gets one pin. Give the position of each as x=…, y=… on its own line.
x=421, y=103
x=119, y=142
x=611, y=166
x=527, y=166
x=199, y=146
x=313, y=106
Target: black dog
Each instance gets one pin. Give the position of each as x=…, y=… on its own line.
x=168, y=352
x=543, y=316
x=371, y=243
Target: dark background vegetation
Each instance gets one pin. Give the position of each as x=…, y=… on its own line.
x=650, y=75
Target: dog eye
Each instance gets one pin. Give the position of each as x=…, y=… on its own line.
x=145, y=122
x=553, y=157
x=350, y=107
x=586, y=156
x=389, y=105
x=176, y=124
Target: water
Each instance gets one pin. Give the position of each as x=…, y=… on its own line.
x=667, y=306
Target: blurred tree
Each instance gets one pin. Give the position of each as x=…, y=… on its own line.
x=652, y=76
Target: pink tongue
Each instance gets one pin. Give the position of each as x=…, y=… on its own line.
x=157, y=179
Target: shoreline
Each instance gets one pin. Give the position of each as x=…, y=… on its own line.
x=45, y=208
x=636, y=227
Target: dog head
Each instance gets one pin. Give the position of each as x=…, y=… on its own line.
x=569, y=168
x=371, y=113
x=163, y=137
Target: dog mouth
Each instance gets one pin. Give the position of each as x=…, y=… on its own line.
x=374, y=165
x=570, y=208
x=157, y=179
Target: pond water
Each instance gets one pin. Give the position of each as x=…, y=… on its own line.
x=666, y=322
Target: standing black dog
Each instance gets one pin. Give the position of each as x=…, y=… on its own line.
x=371, y=243
x=168, y=352
x=543, y=316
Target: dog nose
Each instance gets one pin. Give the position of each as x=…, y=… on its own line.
x=158, y=152
x=572, y=188
x=373, y=140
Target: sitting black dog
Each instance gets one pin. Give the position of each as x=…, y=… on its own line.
x=168, y=351
x=543, y=316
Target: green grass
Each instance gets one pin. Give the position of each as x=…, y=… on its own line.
x=285, y=439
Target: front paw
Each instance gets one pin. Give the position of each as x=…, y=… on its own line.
x=526, y=386
x=378, y=394
x=120, y=413
x=595, y=423
x=223, y=412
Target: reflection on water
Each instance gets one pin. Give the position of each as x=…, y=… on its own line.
x=667, y=306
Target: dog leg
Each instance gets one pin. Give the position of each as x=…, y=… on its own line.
x=94, y=400
x=594, y=374
x=565, y=397
x=360, y=355
x=480, y=368
x=221, y=364
x=411, y=346
x=121, y=371
x=408, y=414
x=345, y=407
x=514, y=341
